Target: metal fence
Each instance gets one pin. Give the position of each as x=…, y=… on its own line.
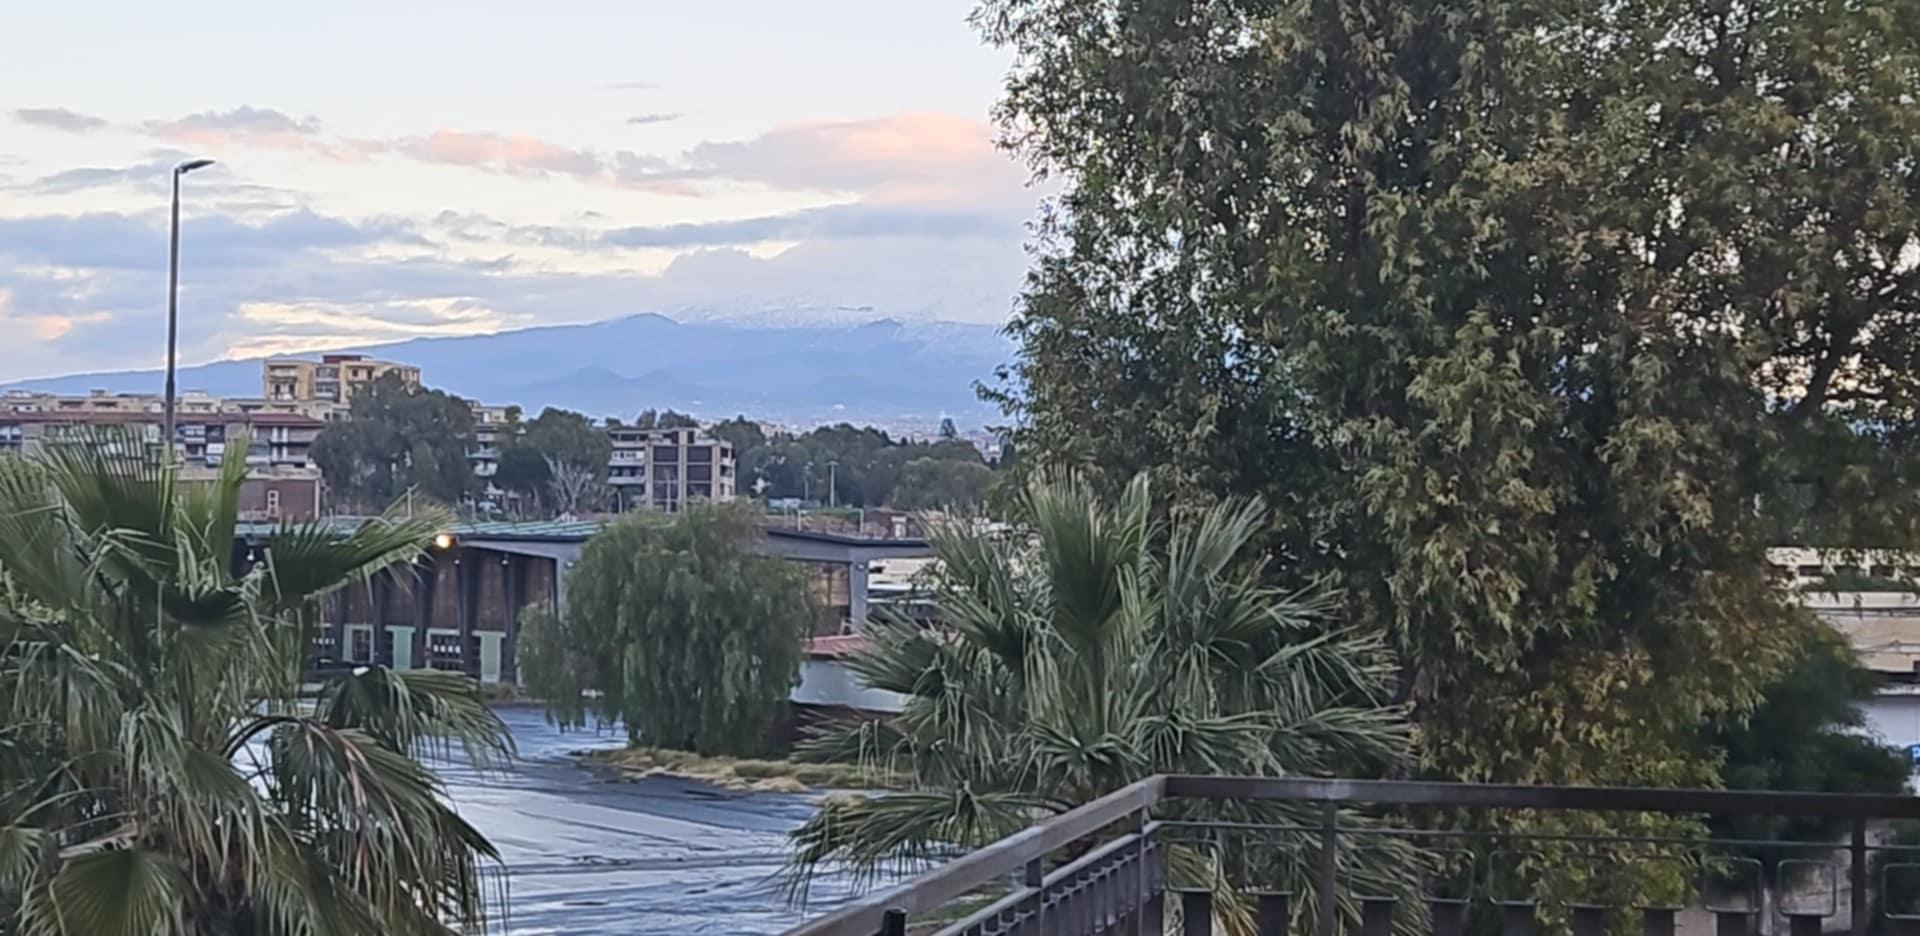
x=1103, y=868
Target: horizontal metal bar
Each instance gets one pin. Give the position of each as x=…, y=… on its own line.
x=1174, y=826
x=992, y=862
x=1599, y=799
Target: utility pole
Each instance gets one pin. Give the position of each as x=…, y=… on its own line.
x=173, y=298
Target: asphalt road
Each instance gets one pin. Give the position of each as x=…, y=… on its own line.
x=592, y=856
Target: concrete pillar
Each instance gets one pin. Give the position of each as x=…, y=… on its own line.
x=559, y=587
x=426, y=574
x=466, y=576
x=857, y=593
x=514, y=569
x=337, y=628
x=382, y=641
x=489, y=666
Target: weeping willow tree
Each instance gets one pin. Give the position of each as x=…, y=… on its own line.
x=1093, y=649
x=160, y=773
x=676, y=627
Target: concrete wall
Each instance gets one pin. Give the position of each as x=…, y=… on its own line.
x=829, y=684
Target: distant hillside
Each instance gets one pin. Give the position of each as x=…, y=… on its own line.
x=880, y=371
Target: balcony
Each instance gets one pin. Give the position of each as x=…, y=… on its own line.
x=1106, y=867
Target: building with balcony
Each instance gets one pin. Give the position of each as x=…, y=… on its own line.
x=491, y=428
x=665, y=469
x=334, y=379
x=281, y=482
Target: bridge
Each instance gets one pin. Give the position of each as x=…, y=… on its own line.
x=458, y=607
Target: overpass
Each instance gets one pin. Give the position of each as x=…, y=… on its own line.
x=459, y=606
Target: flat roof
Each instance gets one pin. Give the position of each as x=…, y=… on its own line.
x=578, y=531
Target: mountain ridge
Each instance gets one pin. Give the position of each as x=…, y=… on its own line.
x=784, y=369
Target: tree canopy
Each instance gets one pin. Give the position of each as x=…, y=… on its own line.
x=398, y=437
x=865, y=467
x=680, y=630
x=663, y=419
x=166, y=772
x=1515, y=312
x=563, y=438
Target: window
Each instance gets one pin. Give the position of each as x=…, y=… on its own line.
x=699, y=472
x=700, y=454
x=360, y=644
x=443, y=651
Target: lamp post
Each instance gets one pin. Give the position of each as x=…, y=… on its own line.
x=173, y=295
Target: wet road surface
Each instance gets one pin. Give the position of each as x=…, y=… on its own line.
x=591, y=856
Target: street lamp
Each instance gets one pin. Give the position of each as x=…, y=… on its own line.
x=173, y=294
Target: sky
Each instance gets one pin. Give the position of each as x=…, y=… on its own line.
x=403, y=169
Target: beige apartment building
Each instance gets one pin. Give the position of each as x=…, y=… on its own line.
x=333, y=379
x=281, y=481
x=665, y=469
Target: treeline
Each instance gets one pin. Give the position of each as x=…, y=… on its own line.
x=401, y=438
x=857, y=467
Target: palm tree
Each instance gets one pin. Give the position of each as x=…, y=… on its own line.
x=1094, y=648
x=161, y=770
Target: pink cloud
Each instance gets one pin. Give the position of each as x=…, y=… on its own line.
x=906, y=157
x=515, y=153
x=255, y=127
x=914, y=158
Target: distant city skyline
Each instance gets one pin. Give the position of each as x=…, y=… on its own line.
x=405, y=170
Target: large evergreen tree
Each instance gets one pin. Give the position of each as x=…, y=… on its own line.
x=398, y=438
x=1530, y=316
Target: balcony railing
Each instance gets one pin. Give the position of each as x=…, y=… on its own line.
x=1105, y=867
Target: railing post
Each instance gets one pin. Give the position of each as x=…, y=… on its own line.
x=1857, y=871
x=1329, y=869
x=1516, y=918
x=1804, y=924
x=1153, y=915
x=1589, y=920
x=1274, y=909
x=1196, y=913
x=1449, y=916
x=1733, y=922
x=1137, y=907
x=1376, y=916
x=1657, y=921
x=1034, y=877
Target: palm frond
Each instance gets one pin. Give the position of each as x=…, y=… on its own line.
x=305, y=561
x=900, y=833
x=1091, y=649
x=121, y=892
x=426, y=711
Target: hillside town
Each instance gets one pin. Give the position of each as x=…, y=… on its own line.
x=961, y=468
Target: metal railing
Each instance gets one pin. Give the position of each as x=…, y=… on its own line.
x=1104, y=867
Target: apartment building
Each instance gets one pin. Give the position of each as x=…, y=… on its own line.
x=334, y=379
x=664, y=469
x=490, y=429
x=281, y=482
